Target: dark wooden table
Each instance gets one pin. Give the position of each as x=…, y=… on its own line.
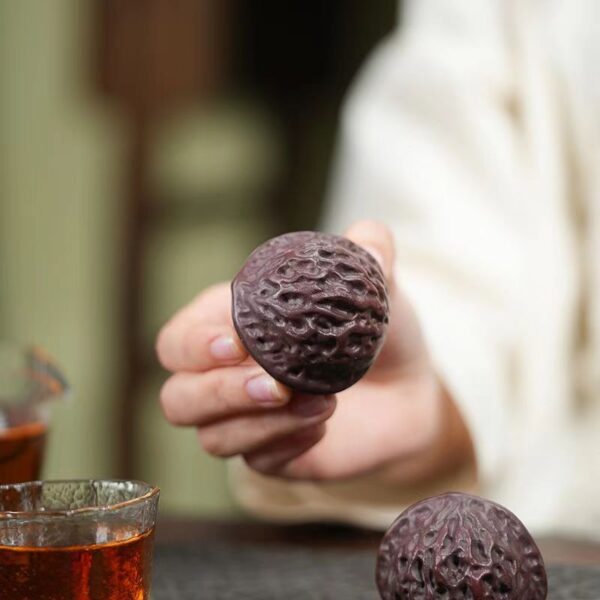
x=174, y=531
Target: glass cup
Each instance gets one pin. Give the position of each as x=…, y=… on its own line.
x=77, y=540
x=29, y=379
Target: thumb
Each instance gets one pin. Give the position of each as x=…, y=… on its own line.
x=378, y=240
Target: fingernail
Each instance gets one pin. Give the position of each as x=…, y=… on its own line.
x=376, y=255
x=311, y=407
x=225, y=348
x=266, y=391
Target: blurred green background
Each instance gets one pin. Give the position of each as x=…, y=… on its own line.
x=145, y=148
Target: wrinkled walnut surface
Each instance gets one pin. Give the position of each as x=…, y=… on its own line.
x=456, y=547
x=312, y=310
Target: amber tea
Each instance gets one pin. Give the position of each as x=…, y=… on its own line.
x=77, y=540
x=21, y=452
x=113, y=571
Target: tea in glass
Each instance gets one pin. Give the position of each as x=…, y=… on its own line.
x=77, y=540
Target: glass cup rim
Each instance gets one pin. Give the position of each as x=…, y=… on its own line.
x=150, y=493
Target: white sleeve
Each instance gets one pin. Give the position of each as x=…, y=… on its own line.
x=431, y=146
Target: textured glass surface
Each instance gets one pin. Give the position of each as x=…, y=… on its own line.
x=75, y=513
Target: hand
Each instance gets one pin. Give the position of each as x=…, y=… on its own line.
x=397, y=419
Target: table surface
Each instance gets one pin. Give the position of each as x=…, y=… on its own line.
x=229, y=561
x=184, y=531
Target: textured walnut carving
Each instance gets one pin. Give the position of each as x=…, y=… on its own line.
x=458, y=547
x=312, y=310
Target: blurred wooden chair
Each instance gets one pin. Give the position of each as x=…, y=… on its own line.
x=155, y=58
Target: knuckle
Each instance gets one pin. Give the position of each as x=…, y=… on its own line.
x=224, y=397
x=228, y=388
x=221, y=390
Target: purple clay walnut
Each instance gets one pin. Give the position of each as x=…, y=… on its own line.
x=312, y=310
x=459, y=547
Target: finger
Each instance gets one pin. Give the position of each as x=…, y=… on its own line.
x=377, y=239
x=201, y=335
x=248, y=433
x=199, y=347
x=201, y=398
x=272, y=458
